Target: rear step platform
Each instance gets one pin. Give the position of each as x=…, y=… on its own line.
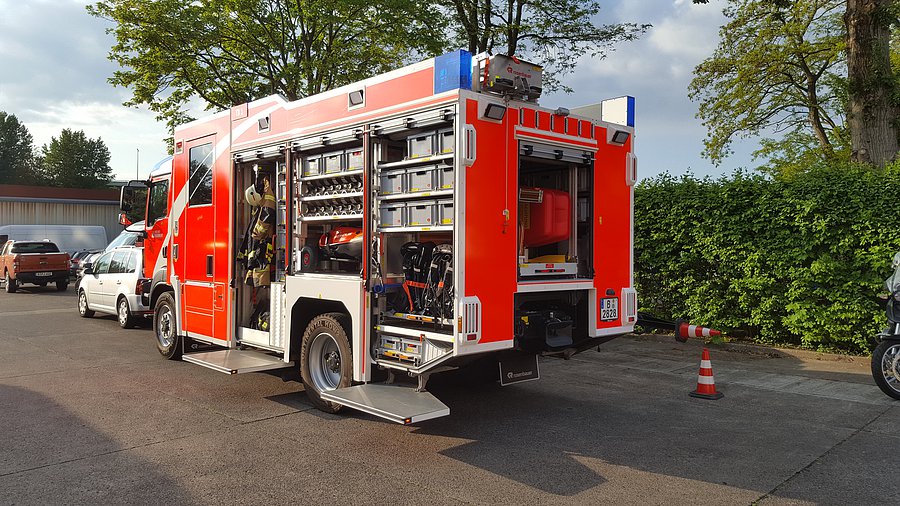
x=236, y=361
x=401, y=404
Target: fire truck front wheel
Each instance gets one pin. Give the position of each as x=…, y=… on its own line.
x=167, y=340
x=325, y=358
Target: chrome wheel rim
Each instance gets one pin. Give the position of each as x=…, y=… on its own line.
x=890, y=367
x=123, y=311
x=325, y=362
x=82, y=302
x=164, y=328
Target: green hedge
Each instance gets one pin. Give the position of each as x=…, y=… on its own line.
x=797, y=261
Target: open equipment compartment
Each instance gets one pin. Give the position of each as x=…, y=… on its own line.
x=412, y=255
x=555, y=205
x=330, y=202
x=261, y=236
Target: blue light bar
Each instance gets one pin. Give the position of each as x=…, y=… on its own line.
x=453, y=71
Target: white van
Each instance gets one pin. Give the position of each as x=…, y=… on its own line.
x=68, y=238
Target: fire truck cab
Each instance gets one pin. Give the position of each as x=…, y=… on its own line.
x=396, y=227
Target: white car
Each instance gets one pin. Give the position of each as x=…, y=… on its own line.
x=112, y=285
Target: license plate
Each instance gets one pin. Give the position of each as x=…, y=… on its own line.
x=609, y=309
x=518, y=368
x=43, y=274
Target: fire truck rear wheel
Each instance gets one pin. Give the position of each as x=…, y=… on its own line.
x=326, y=362
x=165, y=329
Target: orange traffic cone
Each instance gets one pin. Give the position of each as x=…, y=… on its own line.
x=685, y=330
x=706, y=383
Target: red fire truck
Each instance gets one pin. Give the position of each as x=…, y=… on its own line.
x=411, y=223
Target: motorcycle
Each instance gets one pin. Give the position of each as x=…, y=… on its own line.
x=886, y=357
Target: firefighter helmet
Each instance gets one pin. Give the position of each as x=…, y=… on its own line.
x=252, y=195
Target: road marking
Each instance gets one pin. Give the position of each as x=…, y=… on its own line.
x=36, y=311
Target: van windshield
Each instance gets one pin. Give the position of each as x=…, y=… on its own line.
x=34, y=247
x=124, y=239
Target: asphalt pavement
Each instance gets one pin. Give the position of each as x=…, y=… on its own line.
x=91, y=414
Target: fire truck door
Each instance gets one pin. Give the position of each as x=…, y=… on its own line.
x=196, y=239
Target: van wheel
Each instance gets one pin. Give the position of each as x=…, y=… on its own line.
x=11, y=284
x=62, y=286
x=126, y=319
x=326, y=362
x=83, y=309
x=168, y=342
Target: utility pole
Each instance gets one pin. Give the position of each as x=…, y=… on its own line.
x=137, y=164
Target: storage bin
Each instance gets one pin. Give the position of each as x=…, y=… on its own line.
x=445, y=212
x=392, y=215
x=354, y=159
x=421, y=214
x=333, y=162
x=421, y=179
x=421, y=145
x=445, y=177
x=392, y=182
x=446, y=141
x=312, y=165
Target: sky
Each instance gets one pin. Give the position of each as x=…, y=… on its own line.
x=53, y=57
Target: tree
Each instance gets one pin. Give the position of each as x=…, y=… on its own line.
x=553, y=33
x=16, y=151
x=874, y=89
x=778, y=66
x=72, y=160
x=228, y=52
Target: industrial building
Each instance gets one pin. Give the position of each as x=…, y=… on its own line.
x=45, y=205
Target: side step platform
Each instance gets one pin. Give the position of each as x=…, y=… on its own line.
x=236, y=361
x=397, y=403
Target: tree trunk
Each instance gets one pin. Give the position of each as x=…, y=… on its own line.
x=872, y=114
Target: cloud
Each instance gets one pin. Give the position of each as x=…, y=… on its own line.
x=55, y=76
x=656, y=69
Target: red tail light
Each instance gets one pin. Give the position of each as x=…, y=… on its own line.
x=139, y=287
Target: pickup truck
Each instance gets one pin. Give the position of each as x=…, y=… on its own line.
x=36, y=262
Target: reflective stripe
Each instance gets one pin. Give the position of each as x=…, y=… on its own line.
x=705, y=380
x=705, y=364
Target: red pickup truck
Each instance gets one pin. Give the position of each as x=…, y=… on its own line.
x=36, y=262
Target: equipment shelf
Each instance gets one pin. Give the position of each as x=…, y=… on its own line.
x=336, y=196
x=419, y=318
x=414, y=195
x=436, y=228
x=332, y=218
x=414, y=161
x=335, y=175
x=417, y=333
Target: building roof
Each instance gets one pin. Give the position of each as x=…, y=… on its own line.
x=22, y=192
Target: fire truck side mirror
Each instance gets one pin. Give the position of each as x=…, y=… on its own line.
x=132, y=202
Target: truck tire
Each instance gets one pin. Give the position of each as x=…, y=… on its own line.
x=886, y=367
x=11, y=284
x=83, y=310
x=165, y=327
x=326, y=361
x=123, y=314
x=62, y=286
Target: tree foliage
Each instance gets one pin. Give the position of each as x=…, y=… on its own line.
x=778, y=66
x=16, y=151
x=795, y=261
x=553, y=33
x=73, y=160
x=230, y=51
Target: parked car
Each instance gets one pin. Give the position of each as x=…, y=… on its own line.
x=78, y=258
x=36, y=262
x=112, y=285
x=131, y=236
